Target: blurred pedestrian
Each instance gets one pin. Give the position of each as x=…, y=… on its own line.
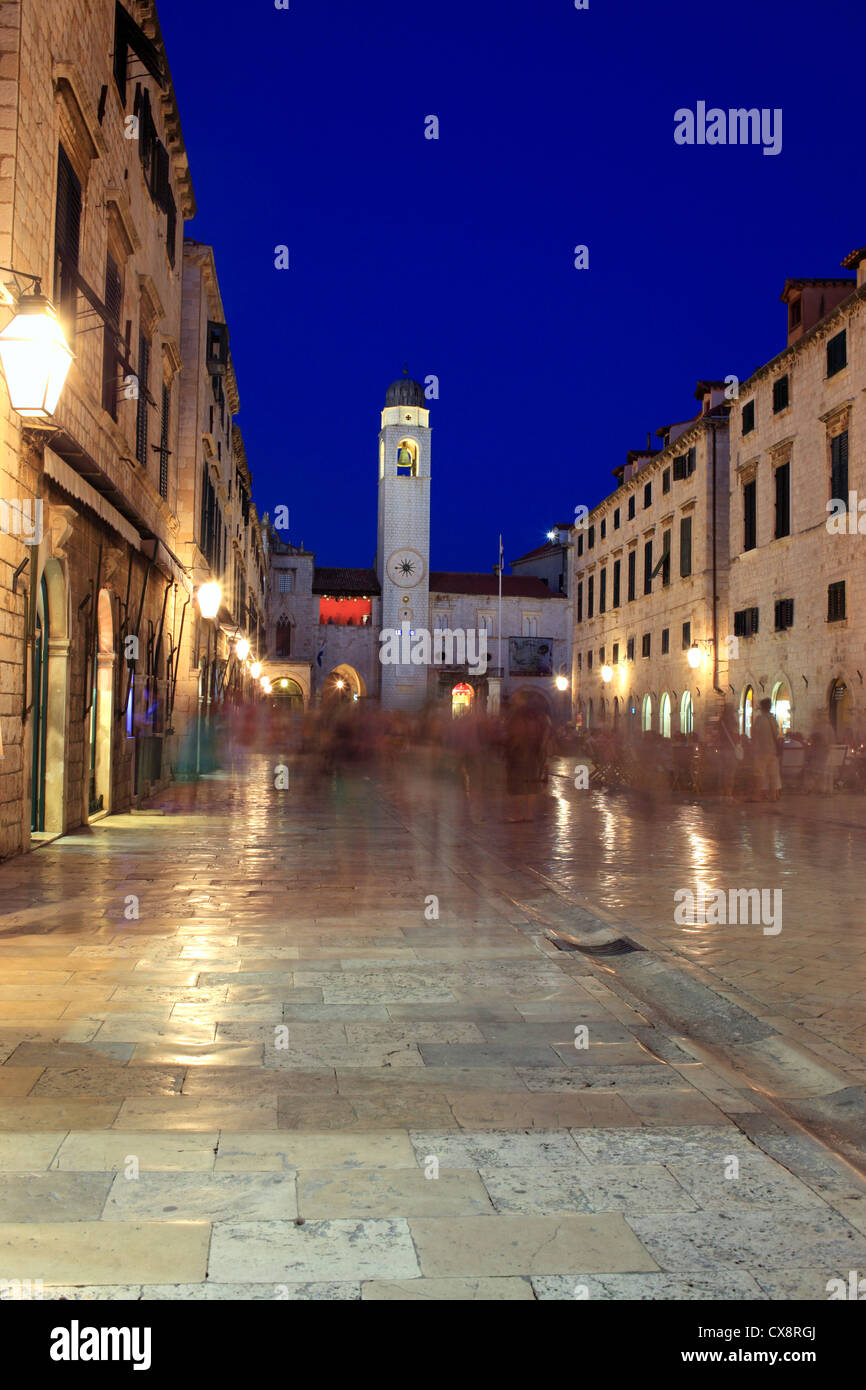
x=527, y=741
x=765, y=753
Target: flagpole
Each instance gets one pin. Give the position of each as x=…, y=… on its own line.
x=501, y=673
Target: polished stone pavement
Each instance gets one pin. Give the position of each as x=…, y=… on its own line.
x=315, y=1044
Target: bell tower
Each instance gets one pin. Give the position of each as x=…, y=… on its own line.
x=403, y=541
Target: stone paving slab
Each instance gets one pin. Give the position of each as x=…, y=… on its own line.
x=479, y=1245
x=318, y=1250
x=105, y=1252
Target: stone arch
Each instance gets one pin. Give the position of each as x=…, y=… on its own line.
x=344, y=682
x=102, y=710
x=56, y=631
x=407, y=457
x=839, y=706
x=782, y=701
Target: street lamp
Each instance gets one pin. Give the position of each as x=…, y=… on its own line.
x=607, y=674
x=693, y=656
x=561, y=682
x=242, y=649
x=35, y=355
x=256, y=670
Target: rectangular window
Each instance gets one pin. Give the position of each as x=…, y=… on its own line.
x=580, y=601
x=591, y=541
x=616, y=519
x=629, y=649
x=645, y=643
x=839, y=468
x=836, y=602
x=648, y=567
x=285, y=578
x=746, y=622
x=603, y=527
x=750, y=515
x=615, y=654
x=580, y=661
x=631, y=507
x=647, y=495
x=602, y=592
x=780, y=394
x=837, y=353
x=601, y=656
x=111, y=339
x=589, y=661
x=685, y=546
x=632, y=566
x=783, y=500
x=163, y=442
x=617, y=566
x=784, y=614
x=748, y=417
x=666, y=480
x=67, y=237
x=580, y=543
x=680, y=464
x=590, y=596
x=687, y=636
x=141, y=411
x=691, y=460
x=666, y=640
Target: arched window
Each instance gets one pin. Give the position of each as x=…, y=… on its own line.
x=407, y=459
x=284, y=637
x=687, y=714
x=781, y=706
x=747, y=709
x=665, y=716
x=647, y=714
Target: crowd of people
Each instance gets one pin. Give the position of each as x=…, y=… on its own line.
x=727, y=762
x=499, y=763
x=486, y=756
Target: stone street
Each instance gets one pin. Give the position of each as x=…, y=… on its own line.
x=321, y=1044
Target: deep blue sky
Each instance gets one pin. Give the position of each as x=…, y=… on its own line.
x=306, y=127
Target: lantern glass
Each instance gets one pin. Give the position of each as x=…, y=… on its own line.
x=210, y=596
x=35, y=357
x=693, y=657
x=242, y=649
x=607, y=674
x=256, y=670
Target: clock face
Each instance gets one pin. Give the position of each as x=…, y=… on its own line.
x=406, y=568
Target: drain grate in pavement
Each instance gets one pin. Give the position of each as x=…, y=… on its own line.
x=620, y=946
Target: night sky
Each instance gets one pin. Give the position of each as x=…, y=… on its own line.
x=306, y=128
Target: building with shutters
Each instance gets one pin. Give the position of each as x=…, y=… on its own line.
x=95, y=605
x=327, y=625
x=797, y=577
x=649, y=583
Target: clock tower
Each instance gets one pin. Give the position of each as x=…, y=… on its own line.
x=403, y=541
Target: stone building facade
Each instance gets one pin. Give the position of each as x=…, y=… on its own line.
x=797, y=561
x=648, y=585
x=220, y=536
x=94, y=190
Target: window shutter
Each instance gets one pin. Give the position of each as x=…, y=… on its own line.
x=783, y=500
x=163, y=442
x=685, y=546
x=141, y=415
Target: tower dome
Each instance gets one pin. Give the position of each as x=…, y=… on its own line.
x=405, y=391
